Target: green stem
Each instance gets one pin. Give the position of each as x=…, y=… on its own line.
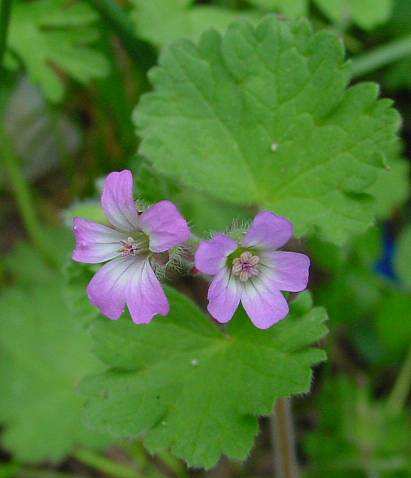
x=105, y=465
x=401, y=389
x=24, y=198
x=381, y=56
x=116, y=18
x=5, y=12
x=283, y=440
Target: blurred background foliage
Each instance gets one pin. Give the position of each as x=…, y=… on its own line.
x=72, y=73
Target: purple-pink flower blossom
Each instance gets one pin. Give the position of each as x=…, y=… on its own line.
x=253, y=271
x=129, y=245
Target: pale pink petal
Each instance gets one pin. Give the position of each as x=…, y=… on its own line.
x=165, y=226
x=223, y=296
x=95, y=242
x=145, y=296
x=286, y=271
x=211, y=255
x=107, y=290
x=263, y=307
x=117, y=201
x=268, y=231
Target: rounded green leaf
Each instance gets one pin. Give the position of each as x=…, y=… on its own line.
x=189, y=387
x=262, y=116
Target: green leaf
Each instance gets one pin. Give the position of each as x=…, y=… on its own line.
x=402, y=260
x=262, y=116
x=187, y=386
x=358, y=436
x=204, y=213
x=27, y=267
x=353, y=279
x=163, y=21
x=44, y=354
x=55, y=33
x=288, y=7
x=367, y=14
x=89, y=209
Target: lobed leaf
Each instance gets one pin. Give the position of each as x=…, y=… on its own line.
x=48, y=35
x=262, y=116
x=187, y=386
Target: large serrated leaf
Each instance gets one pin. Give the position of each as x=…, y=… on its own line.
x=263, y=116
x=187, y=386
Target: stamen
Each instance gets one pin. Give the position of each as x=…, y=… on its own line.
x=246, y=266
x=130, y=247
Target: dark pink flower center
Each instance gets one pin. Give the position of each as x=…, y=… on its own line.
x=246, y=266
x=132, y=247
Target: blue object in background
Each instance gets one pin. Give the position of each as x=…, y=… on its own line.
x=385, y=265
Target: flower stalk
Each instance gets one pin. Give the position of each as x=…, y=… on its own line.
x=283, y=440
x=401, y=389
x=381, y=56
x=5, y=13
x=24, y=199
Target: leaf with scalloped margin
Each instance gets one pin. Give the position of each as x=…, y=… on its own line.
x=186, y=386
x=262, y=116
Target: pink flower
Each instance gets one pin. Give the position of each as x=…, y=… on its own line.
x=253, y=271
x=128, y=247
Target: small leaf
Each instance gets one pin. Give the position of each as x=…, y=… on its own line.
x=44, y=33
x=163, y=21
x=261, y=116
x=288, y=7
x=188, y=387
x=367, y=14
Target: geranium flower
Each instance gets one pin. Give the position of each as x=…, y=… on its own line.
x=253, y=271
x=129, y=247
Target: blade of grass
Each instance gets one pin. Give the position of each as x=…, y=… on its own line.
x=381, y=56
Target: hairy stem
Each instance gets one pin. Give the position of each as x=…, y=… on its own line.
x=282, y=432
x=381, y=56
x=5, y=12
x=401, y=389
x=24, y=198
x=105, y=465
x=116, y=18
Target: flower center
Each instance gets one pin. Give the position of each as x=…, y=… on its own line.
x=245, y=266
x=134, y=246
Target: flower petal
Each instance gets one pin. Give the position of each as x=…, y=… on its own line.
x=145, y=296
x=286, y=271
x=223, y=296
x=108, y=288
x=117, y=201
x=165, y=226
x=95, y=242
x=268, y=231
x=211, y=255
x=264, y=308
